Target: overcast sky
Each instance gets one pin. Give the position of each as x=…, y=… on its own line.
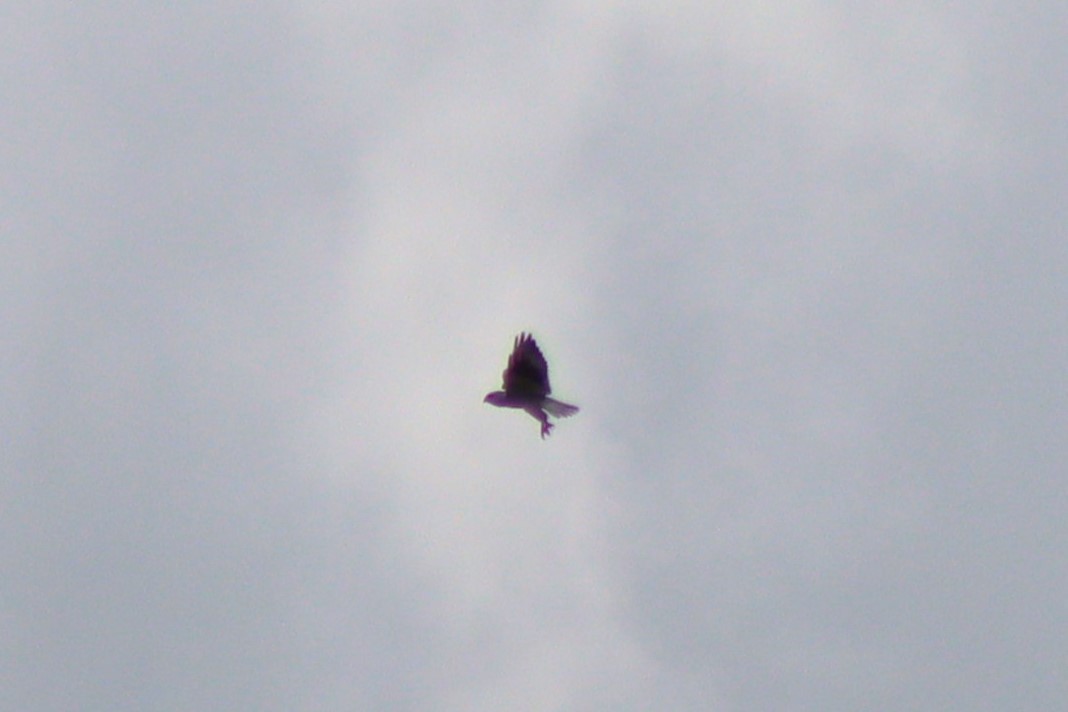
x=803, y=265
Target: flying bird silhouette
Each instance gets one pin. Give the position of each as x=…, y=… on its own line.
x=526, y=385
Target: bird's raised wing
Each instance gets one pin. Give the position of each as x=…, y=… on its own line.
x=527, y=372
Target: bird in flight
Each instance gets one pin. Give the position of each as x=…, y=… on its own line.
x=526, y=385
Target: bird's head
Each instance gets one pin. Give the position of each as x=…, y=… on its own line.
x=495, y=398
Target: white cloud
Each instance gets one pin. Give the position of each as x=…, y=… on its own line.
x=265, y=267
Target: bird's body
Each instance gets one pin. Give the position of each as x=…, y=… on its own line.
x=526, y=385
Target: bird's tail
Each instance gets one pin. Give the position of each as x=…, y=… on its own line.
x=559, y=409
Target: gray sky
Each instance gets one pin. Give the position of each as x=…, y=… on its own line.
x=802, y=265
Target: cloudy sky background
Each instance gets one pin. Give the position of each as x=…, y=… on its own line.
x=803, y=266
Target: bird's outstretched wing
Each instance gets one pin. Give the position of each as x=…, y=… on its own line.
x=527, y=373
